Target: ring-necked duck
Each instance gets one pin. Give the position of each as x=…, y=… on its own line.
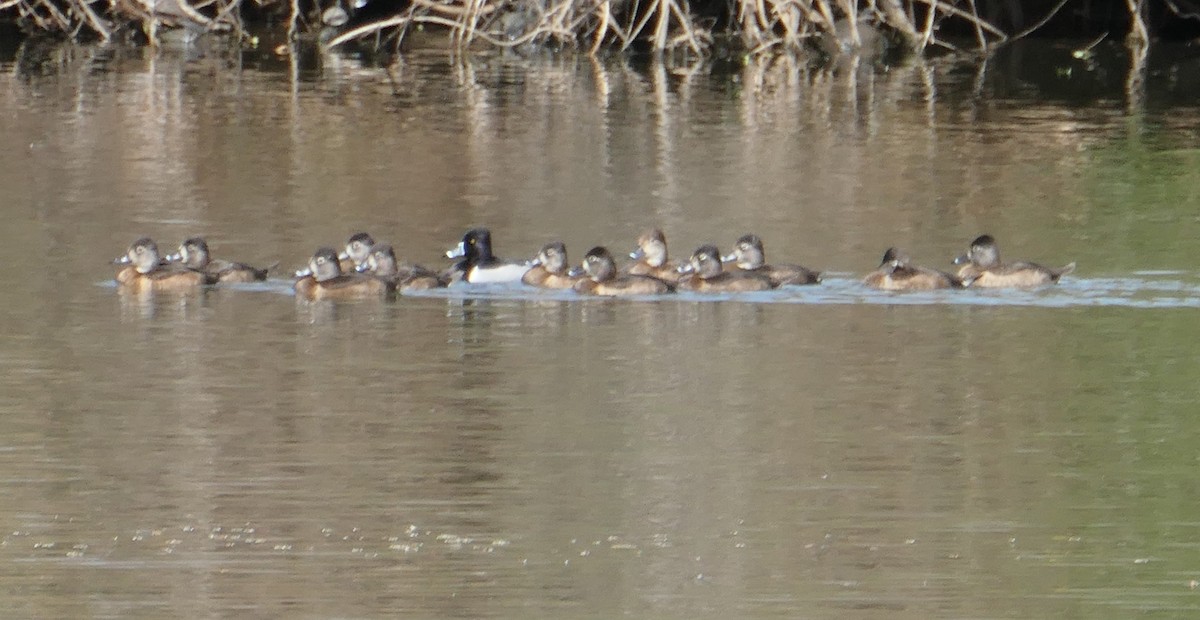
x=478, y=264
x=897, y=273
x=354, y=255
x=748, y=255
x=602, y=278
x=323, y=279
x=381, y=262
x=145, y=271
x=651, y=259
x=981, y=267
x=194, y=253
x=704, y=274
x=550, y=268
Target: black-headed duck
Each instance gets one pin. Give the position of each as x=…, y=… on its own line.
x=603, y=279
x=193, y=253
x=650, y=257
x=381, y=262
x=748, y=256
x=550, y=268
x=897, y=273
x=981, y=267
x=704, y=274
x=323, y=279
x=354, y=255
x=146, y=271
x=478, y=264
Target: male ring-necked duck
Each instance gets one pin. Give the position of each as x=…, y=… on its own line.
x=381, y=262
x=550, y=269
x=651, y=259
x=704, y=274
x=354, y=255
x=981, y=266
x=323, y=279
x=602, y=278
x=194, y=253
x=897, y=273
x=748, y=256
x=478, y=264
x=146, y=271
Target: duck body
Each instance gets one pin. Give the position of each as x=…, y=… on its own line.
x=165, y=279
x=538, y=276
x=667, y=272
x=725, y=282
x=781, y=274
x=623, y=285
x=343, y=287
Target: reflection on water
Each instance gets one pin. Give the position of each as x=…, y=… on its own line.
x=813, y=451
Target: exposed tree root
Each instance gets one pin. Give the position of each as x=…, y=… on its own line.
x=661, y=26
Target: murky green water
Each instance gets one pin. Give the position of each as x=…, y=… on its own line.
x=826, y=452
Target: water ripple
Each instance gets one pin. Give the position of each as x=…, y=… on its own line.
x=1145, y=289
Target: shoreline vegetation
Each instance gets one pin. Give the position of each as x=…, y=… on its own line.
x=696, y=27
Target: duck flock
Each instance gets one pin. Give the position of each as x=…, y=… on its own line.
x=366, y=269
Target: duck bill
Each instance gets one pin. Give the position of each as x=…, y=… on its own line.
x=729, y=258
x=122, y=260
x=304, y=273
x=961, y=260
x=457, y=251
x=576, y=272
x=362, y=268
x=174, y=258
x=343, y=255
x=685, y=269
x=537, y=262
x=637, y=254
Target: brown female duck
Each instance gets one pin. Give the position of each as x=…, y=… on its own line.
x=704, y=274
x=550, y=268
x=603, y=279
x=897, y=273
x=982, y=267
x=145, y=271
x=194, y=254
x=323, y=279
x=748, y=256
